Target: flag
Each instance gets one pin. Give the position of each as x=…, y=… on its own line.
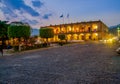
x=67, y=15
x=61, y=16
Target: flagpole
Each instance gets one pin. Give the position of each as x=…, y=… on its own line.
x=62, y=18
x=68, y=18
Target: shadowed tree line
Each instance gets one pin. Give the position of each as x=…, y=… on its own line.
x=23, y=30
x=13, y=30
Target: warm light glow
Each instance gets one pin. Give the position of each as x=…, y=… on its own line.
x=54, y=30
x=110, y=40
x=75, y=36
x=62, y=29
x=77, y=29
x=69, y=37
x=70, y=29
x=82, y=34
x=95, y=26
x=73, y=29
x=96, y=34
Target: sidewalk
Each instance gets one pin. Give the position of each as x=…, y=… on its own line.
x=8, y=52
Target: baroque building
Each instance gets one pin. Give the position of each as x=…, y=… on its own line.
x=91, y=30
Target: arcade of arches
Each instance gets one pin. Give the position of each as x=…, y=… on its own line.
x=93, y=30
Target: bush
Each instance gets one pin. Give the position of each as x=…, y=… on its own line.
x=16, y=48
x=62, y=43
x=44, y=45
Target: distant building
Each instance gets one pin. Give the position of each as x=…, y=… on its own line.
x=92, y=30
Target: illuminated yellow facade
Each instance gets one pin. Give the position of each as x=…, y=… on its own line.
x=92, y=30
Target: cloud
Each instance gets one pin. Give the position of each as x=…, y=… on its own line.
x=2, y=17
x=26, y=17
x=37, y=3
x=46, y=16
x=19, y=4
x=1, y=4
x=31, y=11
x=32, y=22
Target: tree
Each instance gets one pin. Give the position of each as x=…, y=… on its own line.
x=3, y=31
x=61, y=36
x=46, y=33
x=19, y=30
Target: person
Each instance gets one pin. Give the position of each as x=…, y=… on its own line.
x=8, y=46
x=1, y=50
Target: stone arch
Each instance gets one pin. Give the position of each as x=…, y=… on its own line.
x=95, y=36
x=69, y=28
x=81, y=37
x=75, y=37
x=69, y=37
x=57, y=30
x=88, y=36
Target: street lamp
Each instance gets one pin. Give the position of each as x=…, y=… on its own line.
x=118, y=29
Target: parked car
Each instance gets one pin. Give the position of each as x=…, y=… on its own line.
x=118, y=50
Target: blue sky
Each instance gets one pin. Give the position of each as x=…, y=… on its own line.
x=45, y=12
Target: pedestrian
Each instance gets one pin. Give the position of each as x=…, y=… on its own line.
x=1, y=50
x=8, y=46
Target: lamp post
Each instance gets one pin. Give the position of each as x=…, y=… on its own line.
x=118, y=30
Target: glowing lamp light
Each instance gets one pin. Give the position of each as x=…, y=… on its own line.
x=62, y=29
x=96, y=34
x=82, y=34
x=110, y=40
x=77, y=29
x=70, y=29
x=96, y=26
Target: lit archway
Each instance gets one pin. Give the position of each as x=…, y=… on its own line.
x=56, y=38
x=63, y=30
x=57, y=30
x=69, y=29
x=88, y=36
x=95, y=36
x=81, y=37
x=69, y=37
x=75, y=37
x=94, y=27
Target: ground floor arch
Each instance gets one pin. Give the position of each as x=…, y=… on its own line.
x=75, y=37
x=69, y=37
x=56, y=38
x=88, y=36
x=95, y=36
x=81, y=36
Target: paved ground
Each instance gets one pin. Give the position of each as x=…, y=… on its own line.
x=73, y=64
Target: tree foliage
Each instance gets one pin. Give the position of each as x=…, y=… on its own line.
x=19, y=30
x=61, y=36
x=46, y=33
x=3, y=29
x=3, y=32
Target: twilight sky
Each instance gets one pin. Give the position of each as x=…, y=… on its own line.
x=45, y=12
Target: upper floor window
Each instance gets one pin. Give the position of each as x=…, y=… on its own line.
x=94, y=27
